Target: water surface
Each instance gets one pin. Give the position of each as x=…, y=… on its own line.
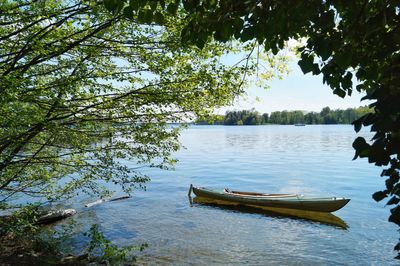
x=312, y=160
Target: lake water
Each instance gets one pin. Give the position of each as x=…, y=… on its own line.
x=312, y=160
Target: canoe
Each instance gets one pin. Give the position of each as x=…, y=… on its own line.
x=288, y=201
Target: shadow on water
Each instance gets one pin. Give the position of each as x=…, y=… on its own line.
x=320, y=217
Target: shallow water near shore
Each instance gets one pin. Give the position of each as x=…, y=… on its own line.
x=312, y=160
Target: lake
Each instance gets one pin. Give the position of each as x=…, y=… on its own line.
x=312, y=160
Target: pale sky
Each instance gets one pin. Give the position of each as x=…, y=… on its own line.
x=295, y=91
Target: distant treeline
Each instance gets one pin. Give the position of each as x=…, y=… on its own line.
x=252, y=117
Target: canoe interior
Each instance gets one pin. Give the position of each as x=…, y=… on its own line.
x=245, y=193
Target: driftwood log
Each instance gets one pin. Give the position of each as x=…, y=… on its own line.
x=53, y=216
x=95, y=203
x=45, y=217
x=88, y=205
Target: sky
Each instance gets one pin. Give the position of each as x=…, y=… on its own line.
x=295, y=91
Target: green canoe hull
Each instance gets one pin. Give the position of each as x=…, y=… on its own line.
x=299, y=203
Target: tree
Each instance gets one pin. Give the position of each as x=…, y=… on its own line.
x=265, y=118
x=83, y=89
x=275, y=117
x=298, y=117
x=342, y=40
x=325, y=111
x=211, y=120
x=285, y=117
x=244, y=117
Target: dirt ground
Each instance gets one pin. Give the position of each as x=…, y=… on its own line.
x=15, y=251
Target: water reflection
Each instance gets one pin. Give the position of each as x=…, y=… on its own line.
x=321, y=217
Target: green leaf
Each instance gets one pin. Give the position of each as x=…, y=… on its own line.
x=389, y=184
x=359, y=143
x=190, y=5
x=128, y=12
x=238, y=24
x=145, y=16
x=148, y=16
x=346, y=81
x=274, y=49
x=110, y=5
x=141, y=16
x=153, y=5
x=316, y=70
x=357, y=125
x=200, y=43
x=343, y=60
x=380, y=195
x=185, y=35
x=211, y=3
x=362, y=147
x=159, y=18
x=172, y=8
x=137, y=4
x=395, y=216
x=224, y=32
x=339, y=92
x=306, y=63
x=393, y=200
x=114, y=6
x=323, y=49
x=247, y=34
x=327, y=19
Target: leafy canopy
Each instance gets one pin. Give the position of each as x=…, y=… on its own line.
x=84, y=91
x=345, y=41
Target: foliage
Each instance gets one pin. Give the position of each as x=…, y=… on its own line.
x=252, y=117
x=344, y=40
x=211, y=120
x=103, y=250
x=325, y=116
x=244, y=117
x=289, y=117
x=21, y=223
x=83, y=90
x=23, y=242
x=20, y=235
